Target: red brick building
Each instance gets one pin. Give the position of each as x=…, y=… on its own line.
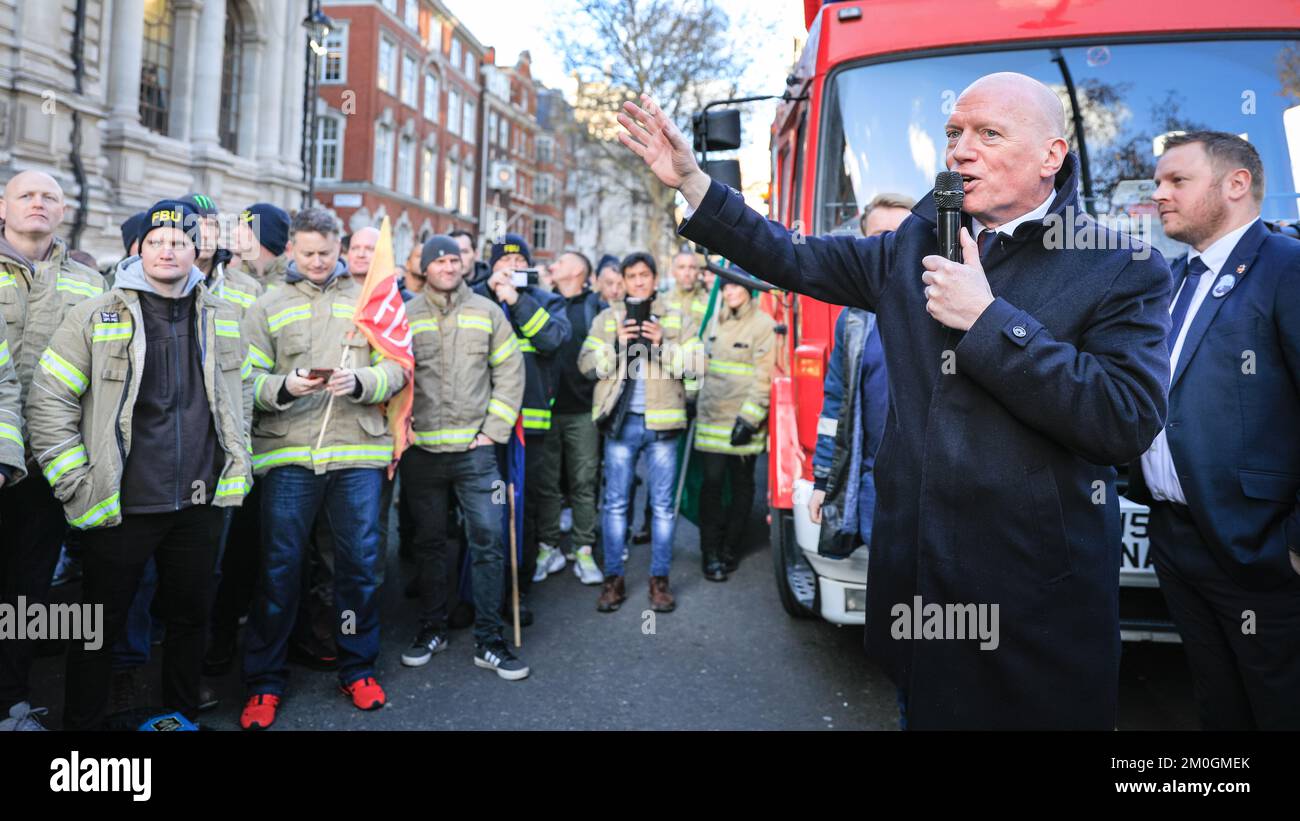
x=398, y=119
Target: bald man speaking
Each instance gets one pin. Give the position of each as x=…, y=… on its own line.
x=1017, y=378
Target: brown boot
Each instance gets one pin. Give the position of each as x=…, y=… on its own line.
x=611, y=595
x=661, y=598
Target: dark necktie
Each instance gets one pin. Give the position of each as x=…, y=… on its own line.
x=1194, y=270
x=987, y=241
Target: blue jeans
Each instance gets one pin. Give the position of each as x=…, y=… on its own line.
x=291, y=499
x=621, y=452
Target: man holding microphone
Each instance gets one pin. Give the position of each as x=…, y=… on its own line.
x=1018, y=377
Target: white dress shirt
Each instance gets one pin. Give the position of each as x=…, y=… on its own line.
x=1009, y=228
x=1158, y=462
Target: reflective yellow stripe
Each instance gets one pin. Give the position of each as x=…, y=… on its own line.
x=342, y=310
x=233, y=486
x=665, y=416
x=104, y=510
x=281, y=456
x=257, y=392
x=503, y=351
x=376, y=357
x=526, y=345
x=673, y=321
x=245, y=369
x=480, y=323
x=77, y=287
x=4, y=352
x=537, y=419
x=419, y=326
x=278, y=320
x=594, y=342
x=611, y=326
x=725, y=366
x=535, y=323
x=62, y=370
x=6, y=280
x=227, y=328
x=240, y=298
x=503, y=411
x=446, y=436
x=110, y=331
x=260, y=358
x=750, y=409
x=12, y=433
x=691, y=384
x=381, y=384
x=722, y=444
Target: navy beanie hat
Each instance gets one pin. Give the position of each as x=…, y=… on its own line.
x=607, y=261
x=133, y=229
x=510, y=244
x=272, y=225
x=172, y=214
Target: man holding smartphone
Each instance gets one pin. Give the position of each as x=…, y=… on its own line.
x=541, y=325
x=640, y=404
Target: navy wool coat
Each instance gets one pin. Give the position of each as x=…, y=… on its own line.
x=995, y=483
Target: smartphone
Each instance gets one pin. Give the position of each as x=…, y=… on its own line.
x=320, y=373
x=638, y=310
x=524, y=278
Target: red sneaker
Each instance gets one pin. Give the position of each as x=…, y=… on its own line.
x=259, y=712
x=366, y=694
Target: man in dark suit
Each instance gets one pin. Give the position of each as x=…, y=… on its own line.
x=1016, y=380
x=1222, y=477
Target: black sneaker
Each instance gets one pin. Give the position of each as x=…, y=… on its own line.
x=427, y=642
x=497, y=656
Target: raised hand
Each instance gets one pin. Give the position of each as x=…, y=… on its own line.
x=653, y=137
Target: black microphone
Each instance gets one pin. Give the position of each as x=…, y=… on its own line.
x=948, y=197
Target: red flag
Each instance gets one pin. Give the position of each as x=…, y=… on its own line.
x=381, y=316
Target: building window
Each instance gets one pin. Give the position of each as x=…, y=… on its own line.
x=455, y=52
x=383, y=155
x=328, y=146
x=545, y=188
x=504, y=140
x=469, y=65
x=453, y=111
x=470, y=121
x=387, y=65
x=541, y=233
x=156, y=65
x=411, y=15
x=410, y=81
x=431, y=97
x=391, y=5
x=231, y=79
x=334, y=65
x=545, y=153
x=450, y=185
x=466, y=180
x=428, y=173
x=406, y=166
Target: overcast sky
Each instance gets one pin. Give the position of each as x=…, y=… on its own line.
x=512, y=26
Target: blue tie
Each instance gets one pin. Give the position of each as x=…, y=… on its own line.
x=1194, y=270
x=988, y=239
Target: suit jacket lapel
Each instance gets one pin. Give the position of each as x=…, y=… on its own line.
x=1241, y=258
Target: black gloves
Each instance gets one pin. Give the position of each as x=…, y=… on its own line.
x=742, y=433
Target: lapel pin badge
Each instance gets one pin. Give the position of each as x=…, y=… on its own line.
x=1223, y=286
x=1241, y=269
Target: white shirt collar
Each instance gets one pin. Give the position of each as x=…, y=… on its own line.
x=1217, y=254
x=1009, y=228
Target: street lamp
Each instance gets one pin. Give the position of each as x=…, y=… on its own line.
x=318, y=27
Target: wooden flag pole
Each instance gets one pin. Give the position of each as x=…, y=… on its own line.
x=329, y=406
x=514, y=566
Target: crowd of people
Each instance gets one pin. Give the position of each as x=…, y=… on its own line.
x=204, y=430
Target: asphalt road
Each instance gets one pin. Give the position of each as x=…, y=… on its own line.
x=728, y=658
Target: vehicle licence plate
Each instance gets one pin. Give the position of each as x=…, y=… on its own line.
x=1135, y=554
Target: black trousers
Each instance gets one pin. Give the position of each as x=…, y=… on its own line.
x=184, y=545
x=31, y=531
x=239, y=566
x=722, y=529
x=1245, y=676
